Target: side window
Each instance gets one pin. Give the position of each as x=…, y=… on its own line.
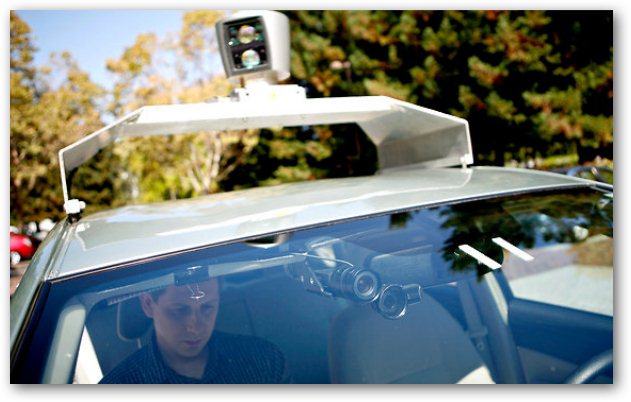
x=575, y=276
x=88, y=370
x=568, y=260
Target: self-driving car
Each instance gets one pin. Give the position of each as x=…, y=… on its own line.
x=433, y=270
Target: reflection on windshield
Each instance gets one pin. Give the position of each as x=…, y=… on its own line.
x=336, y=303
x=409, y=251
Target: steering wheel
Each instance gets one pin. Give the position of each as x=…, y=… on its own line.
x=592, y=368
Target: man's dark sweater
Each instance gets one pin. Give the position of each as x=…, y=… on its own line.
x=232, y=359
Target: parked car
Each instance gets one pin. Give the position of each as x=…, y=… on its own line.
x=431, y=271
x=22, y=247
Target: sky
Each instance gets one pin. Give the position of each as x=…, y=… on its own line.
x=93, y=36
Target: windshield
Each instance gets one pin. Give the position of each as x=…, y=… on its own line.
x=509, y=290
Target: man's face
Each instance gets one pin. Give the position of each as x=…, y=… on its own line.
x=184, y=317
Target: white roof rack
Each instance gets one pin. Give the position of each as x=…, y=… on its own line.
x=403, y=133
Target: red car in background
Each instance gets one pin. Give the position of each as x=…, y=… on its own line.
x=22, y=247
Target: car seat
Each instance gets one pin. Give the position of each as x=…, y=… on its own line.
x=131, y=322
x=426, y=345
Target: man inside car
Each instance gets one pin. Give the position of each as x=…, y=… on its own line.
x=185, y=349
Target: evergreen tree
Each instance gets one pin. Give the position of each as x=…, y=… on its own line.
x=531, y=83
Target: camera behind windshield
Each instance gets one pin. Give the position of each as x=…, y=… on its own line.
x=364, y=286
x=353, y=283
x=394, y=299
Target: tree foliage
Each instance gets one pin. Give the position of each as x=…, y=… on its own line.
x=178, y=69
x=43, y=121
x=530, y=83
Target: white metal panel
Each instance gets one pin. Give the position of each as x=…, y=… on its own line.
x=404, y=134
x=173, y=119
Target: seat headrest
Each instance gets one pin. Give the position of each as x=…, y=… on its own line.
x=131, y=321
x=427, y=345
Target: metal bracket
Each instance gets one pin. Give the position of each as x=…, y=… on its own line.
x=263, y=92
x=74, y=206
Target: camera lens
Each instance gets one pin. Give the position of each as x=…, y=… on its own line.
x=247, y=45
x=246, y=34
x=365, y=285
x=250, y=58
x=392, y=302
x=355, y=283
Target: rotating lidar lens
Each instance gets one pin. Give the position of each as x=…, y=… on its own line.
x=246, y=34
x=247, y=44
x=250, y=58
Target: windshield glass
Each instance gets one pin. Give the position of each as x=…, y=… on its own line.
x=510, y=290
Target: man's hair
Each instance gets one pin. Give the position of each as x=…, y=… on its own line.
x=155, y=294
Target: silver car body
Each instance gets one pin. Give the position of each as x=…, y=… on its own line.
x=135, y=233
x=413, y=175
x=138, y=232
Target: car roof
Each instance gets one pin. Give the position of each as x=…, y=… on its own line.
x=135, y=232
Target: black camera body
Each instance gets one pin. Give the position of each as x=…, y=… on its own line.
x=357, y=284
x=361, y=285
x=394, y=299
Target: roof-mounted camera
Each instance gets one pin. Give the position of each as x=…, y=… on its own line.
x=255, y=46
x=255, y=50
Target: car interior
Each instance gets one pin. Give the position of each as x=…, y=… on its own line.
x=323, y=339
x=382, y=302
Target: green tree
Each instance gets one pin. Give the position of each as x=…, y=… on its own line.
x=529, y=82
x=44, y=119
x=176, y=70
x=22, y=90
